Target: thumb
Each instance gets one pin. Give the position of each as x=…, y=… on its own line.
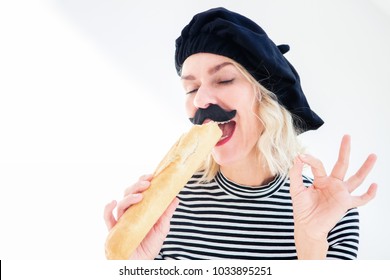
x=163, y=223
x=151, y=245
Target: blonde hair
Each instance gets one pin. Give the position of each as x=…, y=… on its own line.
x=278, y=144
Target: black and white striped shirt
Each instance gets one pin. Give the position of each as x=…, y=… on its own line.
x=224, y=220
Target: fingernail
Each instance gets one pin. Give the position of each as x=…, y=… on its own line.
x=302, y=157
x=146, y=176
x=145, y=183
x=135, y=195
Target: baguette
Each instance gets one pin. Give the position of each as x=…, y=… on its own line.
x=173, y=172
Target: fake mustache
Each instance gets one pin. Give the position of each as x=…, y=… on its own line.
x=213, y=112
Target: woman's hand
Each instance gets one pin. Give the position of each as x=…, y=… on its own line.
x=151, y=245
x=318, y=208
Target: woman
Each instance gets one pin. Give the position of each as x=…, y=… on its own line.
x=250, y=199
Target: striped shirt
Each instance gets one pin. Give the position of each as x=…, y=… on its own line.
x=224, y=220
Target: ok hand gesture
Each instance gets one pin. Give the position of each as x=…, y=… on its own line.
x=318, y=208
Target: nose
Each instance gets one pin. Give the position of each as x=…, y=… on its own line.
x=204, y=97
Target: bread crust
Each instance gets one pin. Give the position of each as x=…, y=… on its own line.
x=173, y=172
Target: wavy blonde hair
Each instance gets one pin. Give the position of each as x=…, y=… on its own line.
x=278, y=144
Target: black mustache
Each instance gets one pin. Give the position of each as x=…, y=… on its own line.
x=213, y=112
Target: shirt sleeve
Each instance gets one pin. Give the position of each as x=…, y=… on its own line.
x=343, y=239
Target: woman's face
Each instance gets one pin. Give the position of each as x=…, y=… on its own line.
x=213, y=79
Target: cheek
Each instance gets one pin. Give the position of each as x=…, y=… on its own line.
x=252, y=127
x=189, y=106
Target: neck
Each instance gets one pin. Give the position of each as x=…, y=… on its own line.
x=248, y=172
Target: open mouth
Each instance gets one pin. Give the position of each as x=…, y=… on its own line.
x=227, y=128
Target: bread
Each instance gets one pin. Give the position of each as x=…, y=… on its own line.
x=174, y=171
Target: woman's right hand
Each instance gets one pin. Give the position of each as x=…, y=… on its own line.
x=151, y=245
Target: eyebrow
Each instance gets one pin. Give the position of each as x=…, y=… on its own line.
x=211, y=71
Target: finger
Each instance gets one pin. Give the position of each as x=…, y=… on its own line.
x=296, y=181
x=146, y=177
x=168, y=213
x=109, y=218
x=126, y=202
x=317, y=168
x=357, y=179
x=341, y=166
x=141, y=185
x=363, y=199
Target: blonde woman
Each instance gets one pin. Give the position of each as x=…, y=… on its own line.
x=250, y=199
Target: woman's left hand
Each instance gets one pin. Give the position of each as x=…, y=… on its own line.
x=318, y=208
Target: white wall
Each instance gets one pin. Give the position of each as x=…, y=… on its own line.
x=89, y=100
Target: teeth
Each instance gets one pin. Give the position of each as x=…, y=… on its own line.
x=224, y=122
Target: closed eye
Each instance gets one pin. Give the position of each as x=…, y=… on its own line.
x=192, y=91
x=225, y=82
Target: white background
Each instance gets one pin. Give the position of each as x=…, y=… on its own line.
x=90, y=100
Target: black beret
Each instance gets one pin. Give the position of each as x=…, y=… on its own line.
x=223, y=32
